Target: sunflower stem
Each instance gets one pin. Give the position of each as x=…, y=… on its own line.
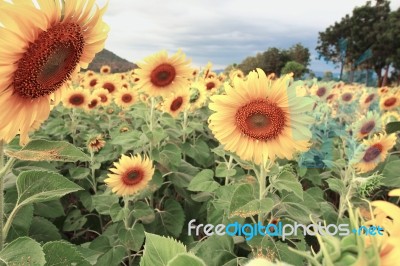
x=93, y=171
x=262, y=185
x=1, y=195
x=228, y=166
x=184, y=125
x=127, y=226
x=151, y=114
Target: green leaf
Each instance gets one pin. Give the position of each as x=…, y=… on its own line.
x=393, y=127
x=103, y=202
x=21, y=223
x=185, y=259
x=216, y=250
x=112, y=257
x=132, y=238
x=223, y=171
x=39, y=186
x=159, y=250
x=203, y=181
x=59, y=253
x=254, y=207
x=49, y=209
x=22, y=251
x=170, y=155
x=116, y=212
x=169, y=220
x=391, y=175
x=78, y=173
x=46, y=150
x=143, y=212
x=42, y=230
x=336, y=185
x=74, y=221
x=288, y=181
x=242, y=195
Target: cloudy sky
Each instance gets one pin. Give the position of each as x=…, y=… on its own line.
x=220, y=31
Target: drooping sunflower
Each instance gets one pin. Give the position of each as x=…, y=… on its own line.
x=126, y=97
x=367, y=125
x=130, y=175
x=104, y=95
x=76, y=98
x=373, y=151
x=390, y=101
x=47, y=41
x=96, y=143
x=105, y=69
x=161, y=75
x=176, y=102
x=258, y=119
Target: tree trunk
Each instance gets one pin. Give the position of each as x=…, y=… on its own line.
x=378, y=72
x=385, y=77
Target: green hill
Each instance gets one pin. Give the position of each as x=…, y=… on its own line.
x=116, y=63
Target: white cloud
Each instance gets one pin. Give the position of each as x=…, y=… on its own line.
x=224, y=31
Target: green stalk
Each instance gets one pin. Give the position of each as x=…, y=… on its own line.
x=184, y=125
x=93, y=170
x=127, y=226
x=262, y=185
x=228, y=166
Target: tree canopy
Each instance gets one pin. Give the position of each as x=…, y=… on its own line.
x=371, y=33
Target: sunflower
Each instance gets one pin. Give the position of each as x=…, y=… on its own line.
x=96, y=143
x=104, y=95
x=47, y=41
x=130, y=175
x=221, y=77
x=371, y=152
x=383, y=90
x=89, y=74
x=387, y=215
x=125, y=97
x=390, y=101
x=391, y=116
x=367, y=99
x=110, y=83
x=94, y=101
x=321, y=90
x=236, y=73
x=105, y=69
x=177, y=102
x=212, y=84
x=161, y=75
x=198, y=95
x=258, y=119
x=367, y=125
x=347, y=96
x=195, y=72
x=91, y=82
x=76, y=98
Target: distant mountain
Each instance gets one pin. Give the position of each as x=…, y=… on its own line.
x=116, y=63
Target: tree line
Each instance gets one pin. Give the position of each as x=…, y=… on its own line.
x=368, y=38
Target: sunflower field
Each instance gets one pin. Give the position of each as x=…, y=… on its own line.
x=172, y=165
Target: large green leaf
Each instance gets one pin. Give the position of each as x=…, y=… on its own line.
x=103, y=202
x=160, y=250
x=393, y=127
x=39, y=186
x=21, y=223
x=391, y=174
x=185, y=259
x=112, y=257
x=22, y=251
x=216, y=250
x=242, y=195
x=42, y=230
x=59, y=253
x=46, y=150
x=203, y=181
x=254, y=207
x=169, y=220
x=288, y=181
x=132, y=238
